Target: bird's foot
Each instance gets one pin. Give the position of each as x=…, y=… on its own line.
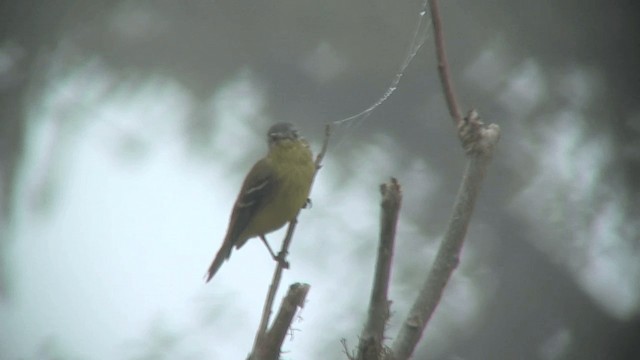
x=307, y=204
x=280, y=258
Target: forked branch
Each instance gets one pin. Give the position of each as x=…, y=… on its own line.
x=478, y=141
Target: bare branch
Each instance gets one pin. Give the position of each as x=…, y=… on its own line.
x=448, y=255
x=271, y=294
x=323, y=150
x=372, y=337
x=269, y=347
x=443, y=64
x=345, y=349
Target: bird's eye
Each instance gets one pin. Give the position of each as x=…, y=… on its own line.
x=275, y=137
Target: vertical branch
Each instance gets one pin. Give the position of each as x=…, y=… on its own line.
x=277, y=274
x=443, y=64
x=273, y=339
x=448, y=255
x=371, y=339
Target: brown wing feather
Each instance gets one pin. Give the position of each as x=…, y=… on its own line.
x=256, y=189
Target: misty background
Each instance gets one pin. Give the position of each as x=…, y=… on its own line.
x=126, y=128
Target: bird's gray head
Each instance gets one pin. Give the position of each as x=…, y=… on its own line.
x=282, y=131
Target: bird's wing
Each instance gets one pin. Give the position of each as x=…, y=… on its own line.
x=255, y=192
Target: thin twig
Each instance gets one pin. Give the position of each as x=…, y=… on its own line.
x=277, y=274
x=271, y=294
x=323, y=150
x=372, y=337
x=345, y=349
x=443, y=64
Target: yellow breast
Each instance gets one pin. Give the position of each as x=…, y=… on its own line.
x=292, y=162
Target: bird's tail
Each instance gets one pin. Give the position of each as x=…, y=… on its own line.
x=222, y=255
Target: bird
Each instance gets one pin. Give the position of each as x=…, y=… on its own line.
x=272, y=194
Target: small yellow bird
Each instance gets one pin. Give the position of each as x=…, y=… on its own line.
x=272, y=194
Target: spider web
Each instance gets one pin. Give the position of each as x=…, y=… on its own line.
x=420, y=35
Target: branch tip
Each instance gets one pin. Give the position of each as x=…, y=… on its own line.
x=476, y=137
